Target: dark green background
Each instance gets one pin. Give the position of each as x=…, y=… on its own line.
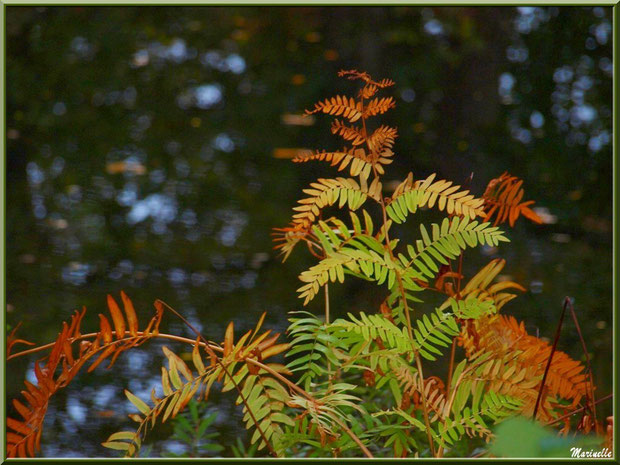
x=195, y=96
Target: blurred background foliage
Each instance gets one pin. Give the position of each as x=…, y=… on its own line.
x=145, y=153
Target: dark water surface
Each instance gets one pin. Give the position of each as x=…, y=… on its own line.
x=143, y=154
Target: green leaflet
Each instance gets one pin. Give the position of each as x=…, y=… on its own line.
x=447, y=241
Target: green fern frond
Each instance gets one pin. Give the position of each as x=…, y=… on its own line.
x=447, y=241
x=312, y=345
x=360, y=261
x=433, y=331
x=371, y=327
x=470, y=308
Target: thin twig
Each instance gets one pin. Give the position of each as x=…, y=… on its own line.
x=581, y=409
x=590, y=382
x=555, y=344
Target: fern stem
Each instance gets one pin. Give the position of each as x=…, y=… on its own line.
x=403, y=297
x=329, y=365
x=555, y=344
x=590, y=382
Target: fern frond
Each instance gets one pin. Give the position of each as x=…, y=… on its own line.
x=433, y=331
x=383, y=138
x=379, y=106
x=287, y=238
x=504, y=337
x=355, y=74
x=470, y=420
x=447, y=241
x=502, y=199
x=360, y=261
x=339, y=105
x=470, y=308
x=371, y=327
x=348, y=132
x=327, y=411
x=262, y=396
x=410, y=195
x=64, y=362
x=480, y=287
x=356, y=159
x=313, y=345
x=326, y=192
x=434, y=392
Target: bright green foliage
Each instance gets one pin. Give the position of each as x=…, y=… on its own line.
x=193, y=430
x=447, y=241
x=433, y=331
x=312, y=345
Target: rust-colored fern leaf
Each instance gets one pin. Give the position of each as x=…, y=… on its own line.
x=503, y=336
x=355, y=74
x=382, y=138
x=24, y=436
x=356, y=159
x=340, y=106
x=379, y=106
x=502, y=199
x=348, y=132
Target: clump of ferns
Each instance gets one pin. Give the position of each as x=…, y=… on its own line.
x=504, y=371
x=356, y=384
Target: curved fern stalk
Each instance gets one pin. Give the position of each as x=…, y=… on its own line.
x=326, y=192
x=446, y=242
x=261, y=406
x=502, y=199
x=24, y=436
x=409, y=196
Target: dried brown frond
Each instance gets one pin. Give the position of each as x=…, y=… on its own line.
x=355, y=74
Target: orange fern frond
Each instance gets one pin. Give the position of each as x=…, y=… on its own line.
x=502, y=335
x=348, y=132
x=502, y=199
x=356, y=159
x=383, y=136
x=379, y=106
x=11, y=340
x=24, y=436
x=339, y=105
x=355, y=74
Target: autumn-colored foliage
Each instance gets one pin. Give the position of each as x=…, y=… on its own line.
x=356, y=384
